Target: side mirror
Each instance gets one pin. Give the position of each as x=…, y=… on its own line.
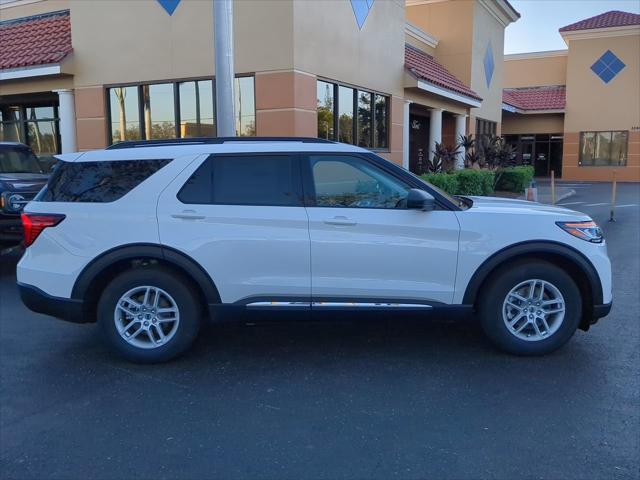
x=420, y=200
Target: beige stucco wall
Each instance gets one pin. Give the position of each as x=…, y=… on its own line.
x=595, y=105
x=454, y=37
x=532, y=123
x=535, y=72
x=15, y=87
x=487, y=30
x=328, y=43
x=120, y=41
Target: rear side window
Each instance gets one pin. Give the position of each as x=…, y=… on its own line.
x=97, y=182
x=262, y=180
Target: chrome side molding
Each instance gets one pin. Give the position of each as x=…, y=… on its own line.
x=337, y=305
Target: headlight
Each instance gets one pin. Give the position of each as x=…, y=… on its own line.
x=587, y=231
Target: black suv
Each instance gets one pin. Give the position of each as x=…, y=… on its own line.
x=22, y=176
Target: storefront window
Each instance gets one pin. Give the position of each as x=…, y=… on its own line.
x=325, y=110
x=365, y=132
x=159, y=111
x=170, y=110
x=381, y=115
x=196, y=109
x=245, y=107
x=367, y=126
x=36, y=126
x=345, y=114
x=603, y=149
x=125, y=114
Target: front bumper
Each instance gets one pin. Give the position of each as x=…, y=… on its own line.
x=68, y=309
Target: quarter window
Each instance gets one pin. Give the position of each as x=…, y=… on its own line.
x=603, y=149
x=344, y=181
x=97, y=182
x=261, y=180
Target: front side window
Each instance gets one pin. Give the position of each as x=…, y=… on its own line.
x=352, y=182
x=603, y=149
x=260, y=180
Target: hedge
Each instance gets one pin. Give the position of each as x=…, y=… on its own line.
x=463, y=182
x=514, y=179
x=482, y=182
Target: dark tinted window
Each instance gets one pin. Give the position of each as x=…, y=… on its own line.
x=97, y=181
x=245, y=180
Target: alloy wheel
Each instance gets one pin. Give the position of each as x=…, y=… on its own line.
x=146, y=317
x=533, y=310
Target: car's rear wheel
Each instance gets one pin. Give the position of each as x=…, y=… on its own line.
x=530, y=308
x=149, y=315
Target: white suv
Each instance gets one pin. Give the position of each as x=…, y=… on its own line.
x=149, y=238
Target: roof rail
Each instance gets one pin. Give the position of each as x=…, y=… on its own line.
x=210, y=141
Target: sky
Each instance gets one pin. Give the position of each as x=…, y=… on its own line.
x=537, y=28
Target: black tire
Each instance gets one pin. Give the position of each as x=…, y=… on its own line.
x=190, y=312
x=500, y=284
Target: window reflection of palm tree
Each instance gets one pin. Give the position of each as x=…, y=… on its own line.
x=36, y=128
x=120, y=95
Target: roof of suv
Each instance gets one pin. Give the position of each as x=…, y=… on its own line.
x=176, y=149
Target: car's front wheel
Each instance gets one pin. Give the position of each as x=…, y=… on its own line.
x=530, y=308
x=149, y=315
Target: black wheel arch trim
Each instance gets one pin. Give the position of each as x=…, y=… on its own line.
x=146, y=250
x=534, y=247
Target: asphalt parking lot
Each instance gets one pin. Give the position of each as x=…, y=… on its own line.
x=330, y=401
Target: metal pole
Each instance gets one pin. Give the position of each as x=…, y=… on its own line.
x=553, y=188
x=223, y=47
x=613, y=198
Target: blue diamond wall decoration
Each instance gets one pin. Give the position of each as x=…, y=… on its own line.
x=169, y=5
x=361, y=9
x=607, y=66
x=489, y=64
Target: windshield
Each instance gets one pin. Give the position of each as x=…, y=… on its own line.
x=18, y=160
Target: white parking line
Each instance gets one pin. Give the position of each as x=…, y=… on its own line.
x=596, y=204
x=569, y=203
x=629, y=205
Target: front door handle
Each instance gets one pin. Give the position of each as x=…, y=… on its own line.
x=340, y=221
x=188, y=215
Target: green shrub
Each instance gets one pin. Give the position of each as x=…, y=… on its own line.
x=514, y=179
x=463, y=182
x=445, y=181
x=475, y=182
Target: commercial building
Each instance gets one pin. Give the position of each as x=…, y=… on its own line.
x=395, y=76
x=577, y=111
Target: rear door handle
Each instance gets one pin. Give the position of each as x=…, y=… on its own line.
x=188, y=215
x=340, y=221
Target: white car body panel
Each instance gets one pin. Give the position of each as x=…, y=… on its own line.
x=248, y=251
x=388, y=254
x=493, y=224
x=265, y=252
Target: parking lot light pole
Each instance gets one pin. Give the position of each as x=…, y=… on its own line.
x=223, y=51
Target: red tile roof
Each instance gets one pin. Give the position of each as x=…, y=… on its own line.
x=424, y=66
x=36, y=40
x=614, y=18
x=535, y=98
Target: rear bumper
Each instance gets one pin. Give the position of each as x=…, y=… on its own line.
x=36, y=300
x=600, y=311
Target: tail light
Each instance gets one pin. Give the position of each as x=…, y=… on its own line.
x=35, y=223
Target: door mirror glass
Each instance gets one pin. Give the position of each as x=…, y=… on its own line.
x=420, y=200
